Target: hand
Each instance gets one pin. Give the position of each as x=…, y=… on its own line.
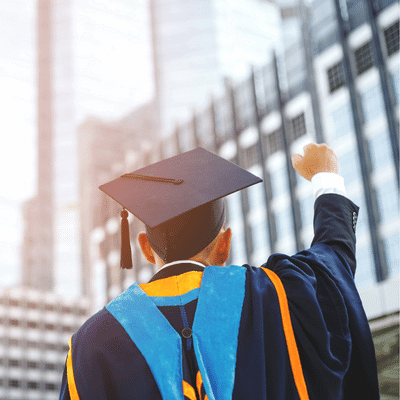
x=317, y=158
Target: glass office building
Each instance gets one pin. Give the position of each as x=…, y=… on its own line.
x=261, y=121
x=94, y=59
x=34, y=331
x=197, y=44
x=356, y=48
x=337, y=82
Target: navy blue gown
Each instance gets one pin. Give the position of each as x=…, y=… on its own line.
x=293, y=329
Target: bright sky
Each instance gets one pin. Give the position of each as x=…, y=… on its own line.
x=116, y=67
x=17, y=127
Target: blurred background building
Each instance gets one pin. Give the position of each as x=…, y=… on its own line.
x=196, y=44
x=86, y=52
x=124, y=84
x=335, y=79
x=35, y=328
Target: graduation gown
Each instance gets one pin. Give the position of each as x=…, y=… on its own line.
x=294, y=328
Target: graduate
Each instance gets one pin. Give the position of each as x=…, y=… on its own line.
x=293, y=328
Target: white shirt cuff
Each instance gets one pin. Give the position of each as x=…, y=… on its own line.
x=327, y=182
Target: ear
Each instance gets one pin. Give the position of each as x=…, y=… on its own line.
x=147, y=251
x=224, y=247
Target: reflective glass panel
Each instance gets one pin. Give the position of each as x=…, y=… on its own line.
x=365, y=274
x=388, y=200
x=343, y=121
x=284, y=223
x=392, y=251
x=372, y=103
x=279, y=182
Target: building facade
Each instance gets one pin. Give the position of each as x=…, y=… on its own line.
x=196, y=44
x=35, y=327
x=94, y=58
x=102, y=145
x=345, y=94
x=261, y=121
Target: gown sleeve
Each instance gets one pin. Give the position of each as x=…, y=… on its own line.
x=330, y=325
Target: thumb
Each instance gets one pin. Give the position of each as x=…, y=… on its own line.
x=297, y=161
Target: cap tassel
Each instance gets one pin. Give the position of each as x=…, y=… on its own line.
x=126, y=252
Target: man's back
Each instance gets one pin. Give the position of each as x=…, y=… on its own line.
x=227, y=332
x=293, y=329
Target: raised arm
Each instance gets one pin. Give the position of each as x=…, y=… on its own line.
x=335, y=216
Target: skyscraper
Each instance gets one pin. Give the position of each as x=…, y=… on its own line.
x=261, y=121
x=196, y=44
x=357, y=69
x=93, y=58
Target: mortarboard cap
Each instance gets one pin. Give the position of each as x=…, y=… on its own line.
x=179, y=200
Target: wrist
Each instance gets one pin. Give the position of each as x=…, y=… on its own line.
x=327, y=182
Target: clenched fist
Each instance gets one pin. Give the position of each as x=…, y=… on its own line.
x=317, y=158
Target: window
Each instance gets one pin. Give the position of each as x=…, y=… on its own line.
x=298, y=126
x=49, y=327
x=32, y=364
x=349, y=166
x=66, y=328
x=343, y=121
x=284, y=223
x=365, y=274
x=279, y=182
x=388, y=197
x=14, y=383
x=363, y=58
x=259, y=235
x=336, y=77
x=33, y=385
x=380, y=149
x=32, y=324
x=392, y=38
x=307, y=210
x=272, y=142
x=372, y=103
x=392, y=245
x=50, y=366
x=50, y=386
x=13, y=363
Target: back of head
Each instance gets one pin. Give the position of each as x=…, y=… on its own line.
x=186, y=235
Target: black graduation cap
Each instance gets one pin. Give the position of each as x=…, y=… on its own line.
x=180, y=200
